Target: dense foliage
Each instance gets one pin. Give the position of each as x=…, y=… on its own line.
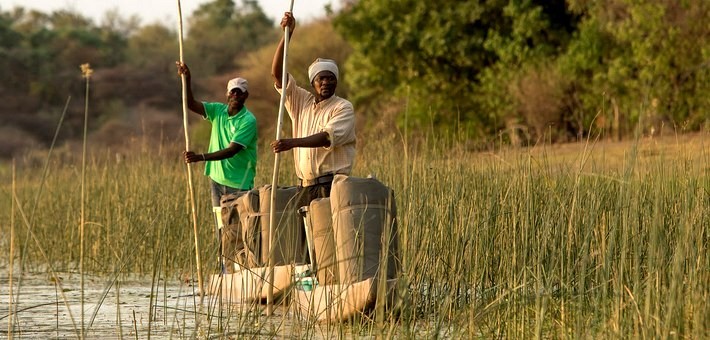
x=532, y=69
x=221, y=34
x=512, y=71
x=579, y=241
x=134, y=86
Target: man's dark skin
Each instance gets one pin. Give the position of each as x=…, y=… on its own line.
x=324, y=85
x=235, y=100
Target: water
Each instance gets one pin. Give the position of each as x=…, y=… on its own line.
x=43, y=308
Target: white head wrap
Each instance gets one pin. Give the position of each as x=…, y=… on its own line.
x=239, y=83
x=321, y=64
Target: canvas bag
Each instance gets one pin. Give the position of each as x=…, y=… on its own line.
x=248, y=210
x=320, y=220
x=364, y=228
x=231, y=238
x=288, y=238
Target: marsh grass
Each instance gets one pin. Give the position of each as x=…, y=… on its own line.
x=591, y=240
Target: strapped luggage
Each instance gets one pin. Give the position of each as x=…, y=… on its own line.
x=364, y=228
x=320, y=222
x=288, y=237
x=230, y=233
x=248, y=209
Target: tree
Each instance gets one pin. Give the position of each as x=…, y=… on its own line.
x=221, y=34
x=10, y=55
x=445, y=58
x=644, y=63
x=153, y=46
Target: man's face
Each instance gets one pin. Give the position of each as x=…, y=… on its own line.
x=325, y=83
x=236, y=98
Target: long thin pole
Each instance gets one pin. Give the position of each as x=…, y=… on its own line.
x=187, y=147
x=275, y=178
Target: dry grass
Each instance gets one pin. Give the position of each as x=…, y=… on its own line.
x=589, y=240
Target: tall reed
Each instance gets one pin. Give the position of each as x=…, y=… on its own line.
x=11, y=259
x=86, y=72
x=557, y=241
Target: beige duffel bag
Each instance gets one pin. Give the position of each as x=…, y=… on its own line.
x=249, y=216
x=364, y=228
x=288, y=241
x=234, y=250
x=320, y=220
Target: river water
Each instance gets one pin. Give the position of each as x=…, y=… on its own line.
x=42, y=307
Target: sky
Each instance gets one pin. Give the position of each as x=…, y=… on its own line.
x=165, y=10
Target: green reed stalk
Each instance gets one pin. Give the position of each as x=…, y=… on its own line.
x=557, y=241
x=54, y=276
x=10, y=309
x=29, y=235
x=119, y=322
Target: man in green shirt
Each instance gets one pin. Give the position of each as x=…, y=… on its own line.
x=231, y=158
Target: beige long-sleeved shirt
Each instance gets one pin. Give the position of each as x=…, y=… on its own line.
x=334, y=116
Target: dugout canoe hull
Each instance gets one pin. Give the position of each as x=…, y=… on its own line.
x=251, y=285
x=341, y=302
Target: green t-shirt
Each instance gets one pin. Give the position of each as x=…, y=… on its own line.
x=238, y=171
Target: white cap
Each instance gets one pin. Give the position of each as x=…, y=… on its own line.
x=239, y=83
x=320, y=65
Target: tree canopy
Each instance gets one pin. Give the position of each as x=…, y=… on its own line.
x=516, y=71
x=523, y=67
x=40, y=54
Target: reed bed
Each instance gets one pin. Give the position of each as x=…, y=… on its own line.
x=591, y=240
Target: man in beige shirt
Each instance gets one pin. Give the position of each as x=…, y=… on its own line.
x=323, y=140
